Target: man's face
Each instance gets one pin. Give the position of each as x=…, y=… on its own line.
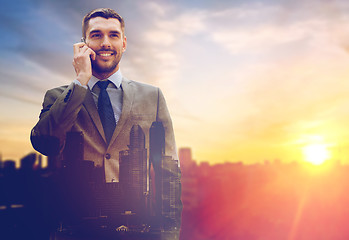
x=106, y=39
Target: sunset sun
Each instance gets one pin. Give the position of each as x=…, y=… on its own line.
x=316, y=153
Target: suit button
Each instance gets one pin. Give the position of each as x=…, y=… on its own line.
x=107, y=156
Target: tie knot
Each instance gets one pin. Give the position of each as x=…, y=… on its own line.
x=103, y=84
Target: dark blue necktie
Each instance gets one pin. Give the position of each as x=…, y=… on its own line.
x=105, y=110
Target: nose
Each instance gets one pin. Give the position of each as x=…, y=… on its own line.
x=105, y=42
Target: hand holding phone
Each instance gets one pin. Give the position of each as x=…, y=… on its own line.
x=82, y=62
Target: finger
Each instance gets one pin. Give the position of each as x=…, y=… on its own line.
x=78, y=46
x=92, y=53
x=83, y=49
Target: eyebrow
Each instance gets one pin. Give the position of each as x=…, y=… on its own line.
x=94, y=31
x=99, y=31
x=117, y=32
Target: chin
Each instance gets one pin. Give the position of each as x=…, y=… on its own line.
x=104, y=68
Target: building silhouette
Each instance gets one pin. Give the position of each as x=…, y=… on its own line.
x=190, y=183
x=186, y=159
x=70, y=196
x=166, y=177
x=134, y=174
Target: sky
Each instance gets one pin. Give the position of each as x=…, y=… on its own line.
x=244, y=80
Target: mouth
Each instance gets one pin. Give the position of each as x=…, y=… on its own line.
x=105, y=54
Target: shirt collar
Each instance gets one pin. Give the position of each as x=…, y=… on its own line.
x=115, y=79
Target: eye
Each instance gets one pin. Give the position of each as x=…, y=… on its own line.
x=114, y=35
x=96, y=35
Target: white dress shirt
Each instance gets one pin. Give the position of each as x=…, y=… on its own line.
x=114, y=91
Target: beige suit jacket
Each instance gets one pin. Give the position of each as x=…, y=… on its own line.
x=71, y=108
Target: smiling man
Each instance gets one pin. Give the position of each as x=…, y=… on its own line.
x=105, y=43
x=104, y=105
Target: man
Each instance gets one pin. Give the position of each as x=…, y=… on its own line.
x=78, y=107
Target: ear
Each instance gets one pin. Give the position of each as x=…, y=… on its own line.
x=124, y=44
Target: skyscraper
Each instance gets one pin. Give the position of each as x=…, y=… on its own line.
x=166, y=176
x=134, y=176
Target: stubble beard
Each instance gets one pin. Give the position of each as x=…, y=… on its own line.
x=104, y=69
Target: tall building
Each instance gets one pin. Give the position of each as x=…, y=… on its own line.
x=156, y=151
x=134, y=175
x=185, y=155
x=190, y=184
x=188, y=165
x=73, y=153
x=166, y=176
x=170, y=190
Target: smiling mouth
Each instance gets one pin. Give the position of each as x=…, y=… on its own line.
x=105, y=54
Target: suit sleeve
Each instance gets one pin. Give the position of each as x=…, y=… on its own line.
x=164, y=117
x=171, y=150
x=59, y=112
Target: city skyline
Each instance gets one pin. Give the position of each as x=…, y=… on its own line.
x=233, y=201
x=245, y=81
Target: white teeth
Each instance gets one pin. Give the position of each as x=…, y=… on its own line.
x=105, y=54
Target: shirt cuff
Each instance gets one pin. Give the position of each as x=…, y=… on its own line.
x=79, y=83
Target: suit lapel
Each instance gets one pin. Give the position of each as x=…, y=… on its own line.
x=93, y=112
x=127, y=98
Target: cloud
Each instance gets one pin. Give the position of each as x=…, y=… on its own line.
x=259, y=38
x=159, y=45
x=237, y=75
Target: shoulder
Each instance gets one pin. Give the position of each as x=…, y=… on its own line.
x=57, y=90
x=54, y=93
x=139, y=85
x=141, y=90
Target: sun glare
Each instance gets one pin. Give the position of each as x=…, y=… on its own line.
x=316, y=153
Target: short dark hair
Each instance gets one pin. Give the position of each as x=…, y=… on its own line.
x=101, y=12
